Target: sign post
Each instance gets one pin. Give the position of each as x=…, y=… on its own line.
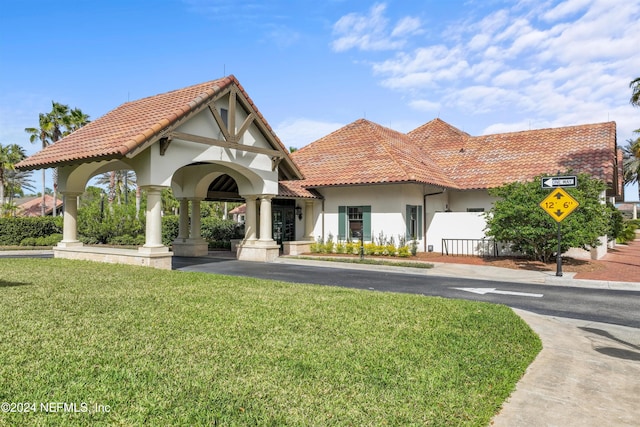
x=559, y=204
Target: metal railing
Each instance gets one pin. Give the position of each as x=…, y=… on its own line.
x=470, y=247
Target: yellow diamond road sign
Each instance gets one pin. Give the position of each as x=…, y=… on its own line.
x=559, y=204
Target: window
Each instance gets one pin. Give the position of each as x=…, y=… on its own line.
x=224, y=113
x=354, y=217
x=414, y=222
x=354, y=222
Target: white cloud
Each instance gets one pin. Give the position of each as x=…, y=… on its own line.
x=370, y=32
x=552, y=63
x=298, y=132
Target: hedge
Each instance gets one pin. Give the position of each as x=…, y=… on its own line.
x=14, y=230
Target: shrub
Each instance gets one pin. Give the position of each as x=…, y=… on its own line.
x=328, y=245
x=50, y=240
x=170, y=226
x=404, y=251
x=14, y=230
x=127, y=240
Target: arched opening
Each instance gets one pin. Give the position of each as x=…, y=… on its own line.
x=223, y=189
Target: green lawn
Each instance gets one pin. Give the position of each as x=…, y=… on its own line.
x=155, y=347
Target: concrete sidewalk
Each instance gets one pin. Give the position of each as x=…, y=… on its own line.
x=587, y=374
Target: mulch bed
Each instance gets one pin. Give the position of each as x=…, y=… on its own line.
x=568, y=264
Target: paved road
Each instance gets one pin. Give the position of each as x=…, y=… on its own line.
x=599, y=305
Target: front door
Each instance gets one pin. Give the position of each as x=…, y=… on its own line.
x=283, y=220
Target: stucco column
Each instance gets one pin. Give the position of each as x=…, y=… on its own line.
x=308, y=220
x=70, y=218
x=195, y=219
x=250, y=219
x=266, y=229
x=183, y=225
x=153, y=232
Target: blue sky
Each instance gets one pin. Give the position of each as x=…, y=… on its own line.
x=484, y=66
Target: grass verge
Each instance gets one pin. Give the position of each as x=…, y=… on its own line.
x=140, y=346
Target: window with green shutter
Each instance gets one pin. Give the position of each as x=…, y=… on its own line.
x=413, y=222
x=354, y=223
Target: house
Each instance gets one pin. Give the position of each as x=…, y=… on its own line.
x=209, y=141
x=32, y=206
x=431, y=183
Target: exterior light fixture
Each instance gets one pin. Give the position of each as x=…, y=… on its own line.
x=299, y=212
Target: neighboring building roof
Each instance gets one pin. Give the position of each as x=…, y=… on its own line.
x=32, y=206
x=239, y=209
x=364, y=152
x=136, y=124
x=439, y=154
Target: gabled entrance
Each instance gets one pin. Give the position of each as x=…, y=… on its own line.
x=205, y=141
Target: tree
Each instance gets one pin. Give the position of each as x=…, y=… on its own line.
x=518, y=220
x=42, y=134
x=635, y=92
x=9, y=156
x=59, y=122
x=631, y=161
x=118, y=183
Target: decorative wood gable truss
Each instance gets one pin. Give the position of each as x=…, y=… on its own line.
x=232, y=137
x=135, y=126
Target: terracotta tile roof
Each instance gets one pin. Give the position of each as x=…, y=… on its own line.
x=492, y=160
x=133, y=124
x=33, y=206
x=364, y=152
x=438, y=153
x=294, y=189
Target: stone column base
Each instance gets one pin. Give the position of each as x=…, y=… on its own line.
x=261, y=252
x=296, y=248
x=190, y=248
x=160, y=260
x=75, y=244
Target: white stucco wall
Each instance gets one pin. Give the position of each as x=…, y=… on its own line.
x=454, y=225
x=388, y=207
x=388, y=210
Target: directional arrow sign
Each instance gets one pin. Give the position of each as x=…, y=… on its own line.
x=559, y=181
x=559, y=204
x=483, y=291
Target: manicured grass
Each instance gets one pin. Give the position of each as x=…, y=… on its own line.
x=176, y=348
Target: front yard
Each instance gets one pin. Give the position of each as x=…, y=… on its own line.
x=97, y=344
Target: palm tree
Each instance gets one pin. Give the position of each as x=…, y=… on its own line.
x=75, y=120
x=631, y=161
x=42, y=134
x=118, y=183
x=59, y=122
x=9, y=156
x=635, y=92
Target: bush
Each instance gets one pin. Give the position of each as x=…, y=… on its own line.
x=127, y=240
x=50, y=240
x=170, y=228
x=102, y=223
x=14, y=230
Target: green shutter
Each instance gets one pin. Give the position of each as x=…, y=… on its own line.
x=407, y=221
x=342, y=223
x=419, y=220
x=366, y=222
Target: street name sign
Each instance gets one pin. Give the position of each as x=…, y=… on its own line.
x=559, y=181
x=559, y=204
